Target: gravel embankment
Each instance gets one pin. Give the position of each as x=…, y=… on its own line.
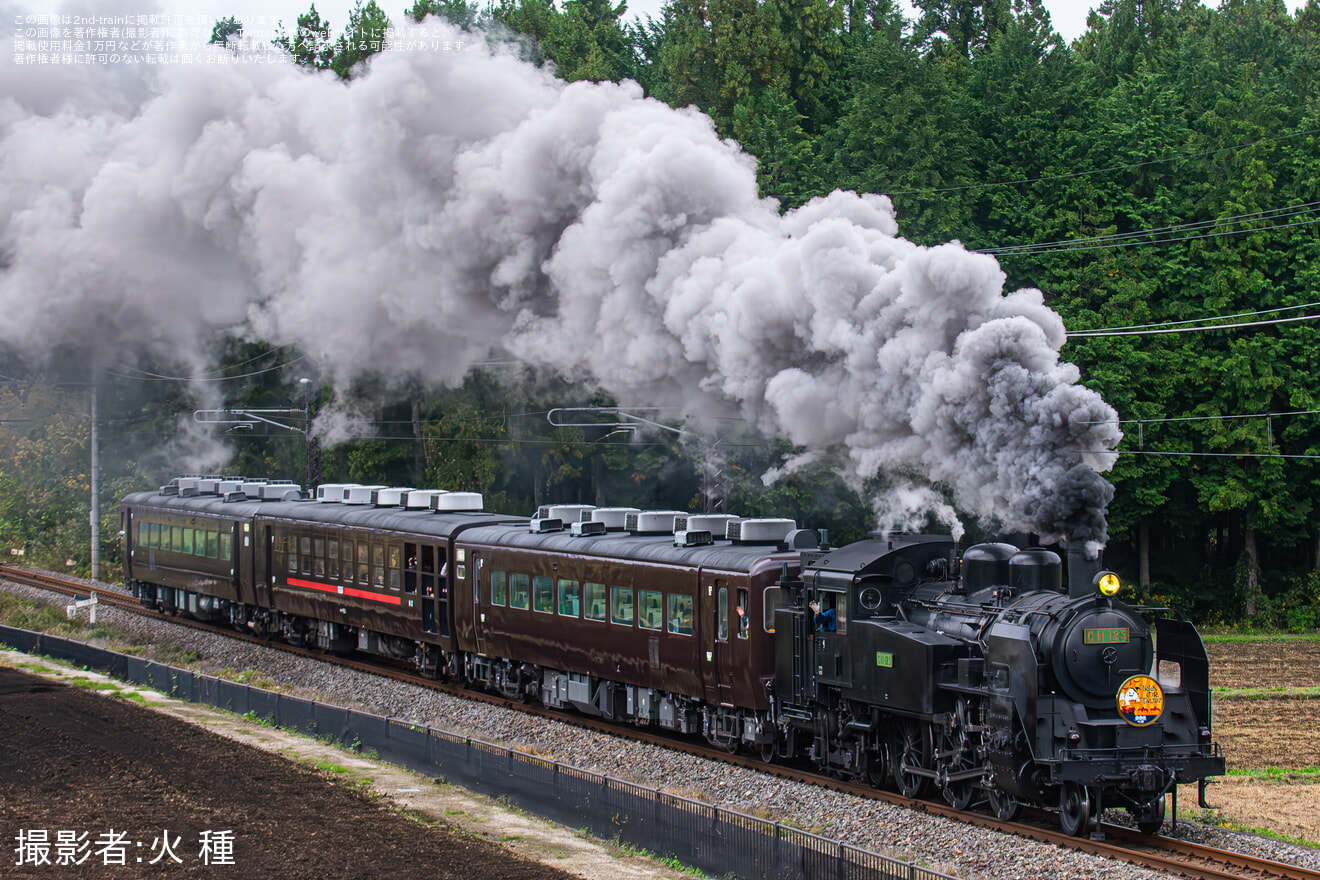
x=949, y=846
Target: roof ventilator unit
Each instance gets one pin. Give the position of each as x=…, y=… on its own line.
x=332, y=492
x=693, y=538
x=230, y=486
x=541, y=526
x=565, y=513
x=715, y=523
x=231, y=497
x=211, y=485
x=392, y=497
x=448, y=502
x=614, y=518
x=252, y=489
x=587, y=529
x=652, y=522
x=420, y=499
x=760, y=531
x=361, y=494
x=280, y=490
x=191, y=486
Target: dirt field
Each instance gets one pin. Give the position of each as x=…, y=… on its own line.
x=77, y=761
x=1268, y=734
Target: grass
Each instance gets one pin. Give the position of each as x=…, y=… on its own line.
x=83, y=682
x=668, y=861
x=1267, y=693
x=1293, y=775
x=327, y=767
x=1209, y=817
x=47, y=618
x=1238, y=638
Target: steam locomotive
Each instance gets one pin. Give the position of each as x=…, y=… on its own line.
x=890, y=659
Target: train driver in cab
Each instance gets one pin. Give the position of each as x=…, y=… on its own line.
x=827, y=620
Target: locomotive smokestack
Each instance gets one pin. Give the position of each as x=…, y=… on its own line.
x=1081, y=570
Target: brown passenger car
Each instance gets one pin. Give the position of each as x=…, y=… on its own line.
x=631, y=609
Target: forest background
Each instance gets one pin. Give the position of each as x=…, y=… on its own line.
x=1162, y=172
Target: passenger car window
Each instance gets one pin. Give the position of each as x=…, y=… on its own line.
x=621, y=605
x=680, y=614
x=568, y=597
x=518, y=590
x=593, y=600
x=499, y=588
x=649, y=610
x=722, y=630
x=774, y=598
x=543, y=594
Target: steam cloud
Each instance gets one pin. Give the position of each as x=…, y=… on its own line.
x=448, y=203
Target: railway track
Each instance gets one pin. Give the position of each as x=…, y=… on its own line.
x=1177, y=857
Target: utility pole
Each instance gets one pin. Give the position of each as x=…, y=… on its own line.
x=95, y=480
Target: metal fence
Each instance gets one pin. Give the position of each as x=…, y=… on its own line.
x=717, y=841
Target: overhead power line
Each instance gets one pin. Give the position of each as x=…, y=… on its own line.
x=1151, y=237
x=1199, y=320
x=1193, y=329
x=144, y=375
x=1269, y=214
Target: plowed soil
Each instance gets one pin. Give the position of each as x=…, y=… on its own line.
x=1274, y=734
x=71, y=760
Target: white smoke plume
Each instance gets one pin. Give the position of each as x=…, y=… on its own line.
x=447, y=203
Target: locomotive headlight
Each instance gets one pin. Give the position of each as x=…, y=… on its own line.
x=1108, y=583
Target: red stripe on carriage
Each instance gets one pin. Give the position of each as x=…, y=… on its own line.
x=344, y=591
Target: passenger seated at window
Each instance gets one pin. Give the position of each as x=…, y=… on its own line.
x=827, y=620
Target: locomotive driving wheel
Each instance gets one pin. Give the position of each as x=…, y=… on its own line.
x=911, y=751
x=877, y=766
x=1005, y=807
x=1075, y=804
x=956, y=756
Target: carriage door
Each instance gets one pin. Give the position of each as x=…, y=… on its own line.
x=425, y=580
x=719, y=651
x=127, y=529
x=479, y=613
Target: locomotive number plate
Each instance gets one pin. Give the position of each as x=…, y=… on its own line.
x=1120, y=635
x=1140, y=700
x=885, y=659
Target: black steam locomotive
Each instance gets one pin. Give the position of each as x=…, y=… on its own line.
x=887, y=659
